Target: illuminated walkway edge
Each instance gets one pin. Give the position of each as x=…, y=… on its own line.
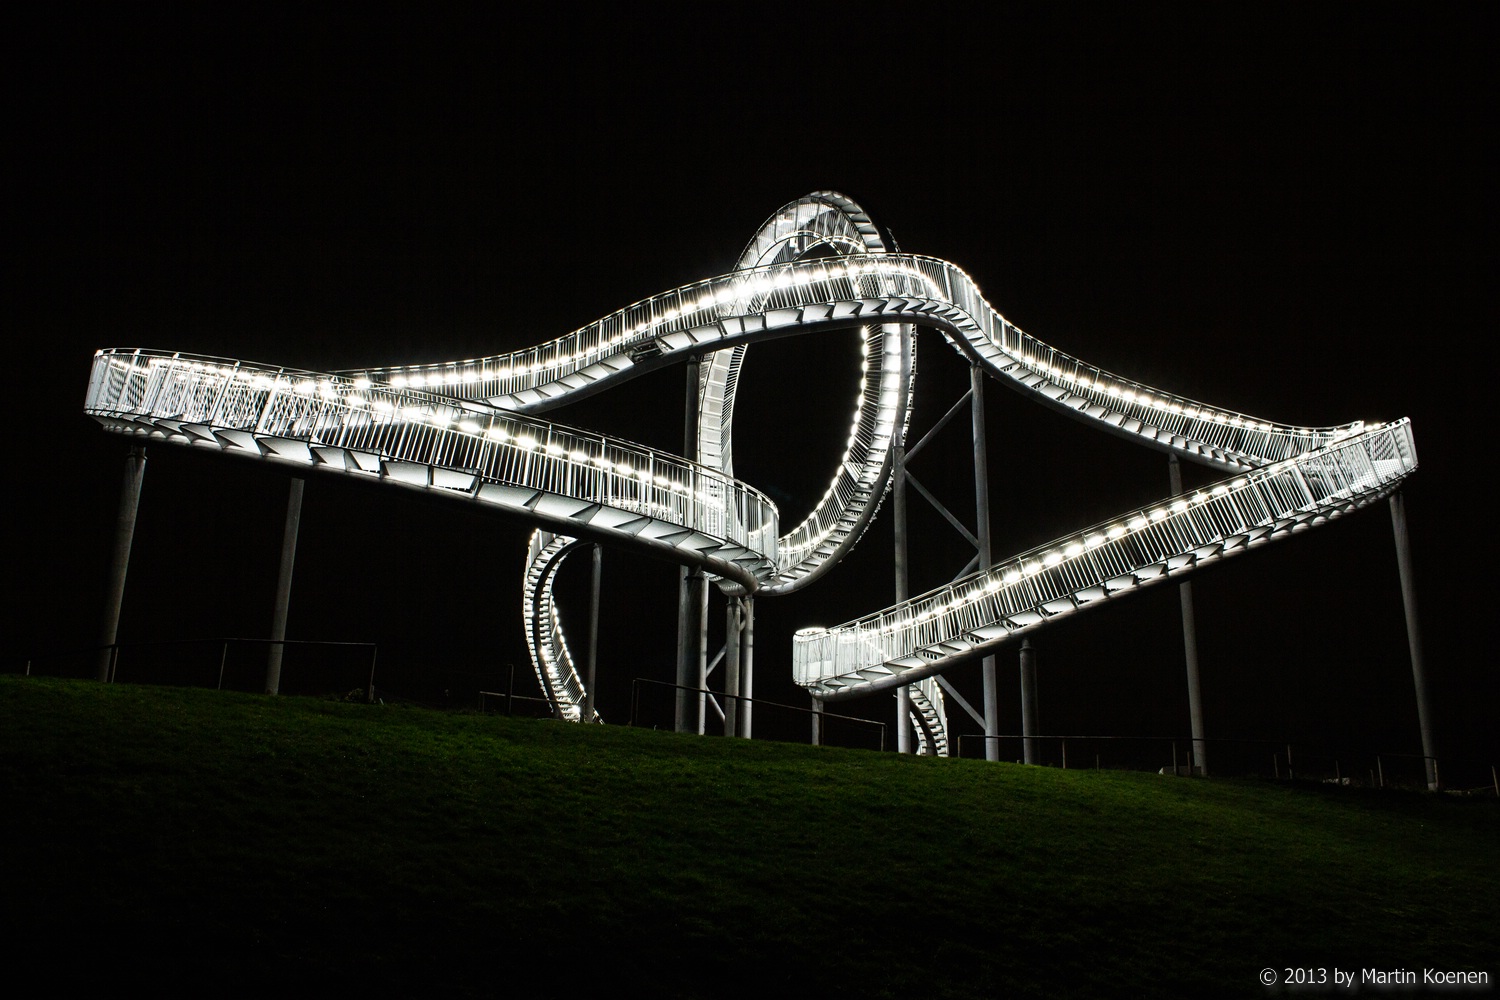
x=471, y=430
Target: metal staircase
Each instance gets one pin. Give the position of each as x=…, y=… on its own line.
x=467, y=430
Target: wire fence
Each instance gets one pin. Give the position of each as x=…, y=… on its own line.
x=653, y=706
x=318, y=668
x=1293, y=760
x=346, y=670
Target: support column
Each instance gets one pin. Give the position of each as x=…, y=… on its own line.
x=898, y=512
x=680, y=696
x=747, y=665
x=119, y=559
x=700, y=583
x=1190, y=646
x=731, y=667
x=1414, y=636
x=982, y=532
x=688, y=715
x=817, y=721
x=1030, y=717
x=284, y=584
x=689, y=645
x=593, y=661
x=898, y=505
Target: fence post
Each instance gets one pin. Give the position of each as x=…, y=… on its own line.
x=370, y=687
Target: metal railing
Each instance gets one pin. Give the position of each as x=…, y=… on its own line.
x=433, y=419
x=937, y=293
x=464, y=446
x=1094, y=564
x=454, y=427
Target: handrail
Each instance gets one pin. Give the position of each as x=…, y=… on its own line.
x=967, y=618
x=463, y=428
x=380, y=426
x=931, y=285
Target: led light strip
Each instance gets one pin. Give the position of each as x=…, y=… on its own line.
x=465, y=424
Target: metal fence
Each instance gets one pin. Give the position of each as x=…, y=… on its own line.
x=1290, y=760
x=310, y=667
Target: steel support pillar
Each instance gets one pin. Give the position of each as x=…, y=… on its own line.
x=284, y=584
x=1030, y=720
x=747, y=665
x=688, y=714
x=593, y=661
x=690, y=625
x=1190, y=646
x=982, y=534
x=898, y=512
x=700, y=667
x=119, y=559
x=817, y=721
x=684, y=704
x=1414, y=636
x=731, y=667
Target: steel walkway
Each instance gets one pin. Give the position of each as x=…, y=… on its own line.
x=470, y=430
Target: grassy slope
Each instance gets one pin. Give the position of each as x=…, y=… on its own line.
x=252, y=843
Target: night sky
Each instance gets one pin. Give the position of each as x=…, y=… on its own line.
x=1281, y=209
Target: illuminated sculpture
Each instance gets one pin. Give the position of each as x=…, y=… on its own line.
x=468, y=430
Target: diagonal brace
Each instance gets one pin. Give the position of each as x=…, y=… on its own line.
x=957, y=524
x=953, y=411
x=962, y=702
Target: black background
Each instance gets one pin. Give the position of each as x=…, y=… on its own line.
x=1282, y=209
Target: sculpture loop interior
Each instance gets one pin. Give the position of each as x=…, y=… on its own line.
x=469, y=430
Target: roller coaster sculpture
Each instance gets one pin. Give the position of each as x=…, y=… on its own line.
x=469, y=430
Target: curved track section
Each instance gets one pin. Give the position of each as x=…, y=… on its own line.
x=546, y=642
x=820, y=225
x=464, y=429
x=929, y=718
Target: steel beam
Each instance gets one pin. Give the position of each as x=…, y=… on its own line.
x=1414, y=636
x=688, y=715
x=747, y=665
x=593, y=660
x=1190, y=646
x=982, y=543
x=1030, y=717
x=731, y=667
x=898, y=517
x=119, y=559
x=284, y=584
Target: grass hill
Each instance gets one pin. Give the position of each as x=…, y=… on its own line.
x=193, y=841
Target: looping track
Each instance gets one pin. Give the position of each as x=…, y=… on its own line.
x=468, y=430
